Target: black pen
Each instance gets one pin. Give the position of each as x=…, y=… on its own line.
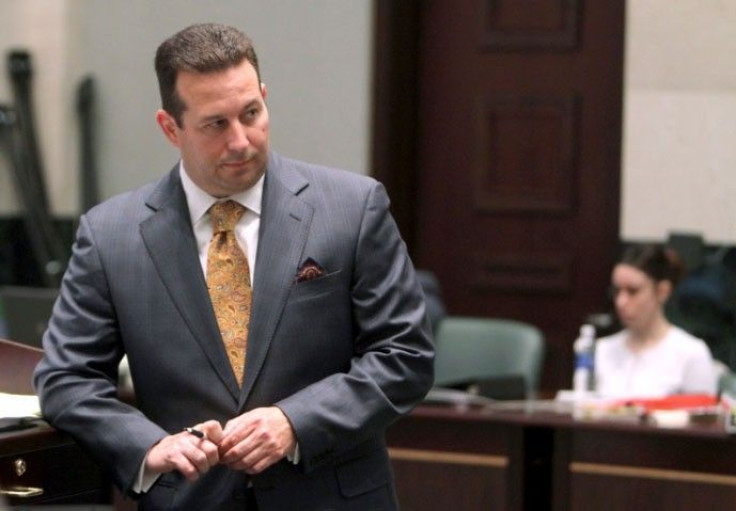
x=199, y=434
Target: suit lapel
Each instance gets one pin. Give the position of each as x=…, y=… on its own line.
x=170, y=241
x=285, y=221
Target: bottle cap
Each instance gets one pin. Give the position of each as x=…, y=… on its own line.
x=587, y=331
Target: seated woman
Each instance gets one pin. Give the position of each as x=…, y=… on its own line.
x=650, y=357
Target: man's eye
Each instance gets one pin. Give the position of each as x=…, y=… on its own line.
x=218, y=124
x=252, y=113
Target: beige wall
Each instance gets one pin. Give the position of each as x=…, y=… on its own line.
x=40, y=27
x=679, y=152
x=315, y=59
x=679, y=141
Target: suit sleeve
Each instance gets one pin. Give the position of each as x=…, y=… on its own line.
x=392, y=366
x=77, y=378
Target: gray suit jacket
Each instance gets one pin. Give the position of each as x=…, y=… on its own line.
x=343, y=355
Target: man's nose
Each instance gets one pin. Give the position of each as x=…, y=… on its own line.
x=238, y=138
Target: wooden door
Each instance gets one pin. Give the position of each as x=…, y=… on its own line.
x=514, y=183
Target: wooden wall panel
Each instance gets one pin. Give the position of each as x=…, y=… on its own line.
x=526, y=154
x=529, y=24
x=523, y=273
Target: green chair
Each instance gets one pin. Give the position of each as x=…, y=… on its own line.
x=476, y=349
x=727, y=383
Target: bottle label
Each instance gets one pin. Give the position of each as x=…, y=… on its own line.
x=584, y=361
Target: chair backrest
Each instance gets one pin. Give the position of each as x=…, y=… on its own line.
x=27, y=311
x=433, y=297
x=727, y=383
x=690, y=247
x=469, y=348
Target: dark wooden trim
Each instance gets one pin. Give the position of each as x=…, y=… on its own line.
x=395, y=107
x=17, y=362
x=494, y=36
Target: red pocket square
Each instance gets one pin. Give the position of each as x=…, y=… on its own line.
x=310, y=270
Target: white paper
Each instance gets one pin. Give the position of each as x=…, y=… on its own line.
x=19, y=405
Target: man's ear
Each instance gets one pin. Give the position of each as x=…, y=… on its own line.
x=264, y=91
x=168, y=126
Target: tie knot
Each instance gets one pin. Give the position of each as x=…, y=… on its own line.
x=225, y=215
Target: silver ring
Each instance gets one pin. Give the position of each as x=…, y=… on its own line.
x=199, y=434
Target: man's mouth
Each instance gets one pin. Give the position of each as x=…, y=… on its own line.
x=238, y=162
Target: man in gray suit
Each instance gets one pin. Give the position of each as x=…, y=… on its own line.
x=338, y=345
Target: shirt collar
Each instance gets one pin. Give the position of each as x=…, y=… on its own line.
x=199, y=201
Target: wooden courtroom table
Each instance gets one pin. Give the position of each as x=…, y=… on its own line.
x=531, y=456
x=536, y=456
x=39, y=465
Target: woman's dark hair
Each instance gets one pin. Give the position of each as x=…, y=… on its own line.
x=657, y=261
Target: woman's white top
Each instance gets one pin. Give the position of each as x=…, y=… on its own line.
x=678, y=364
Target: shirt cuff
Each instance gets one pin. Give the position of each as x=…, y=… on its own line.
x=145, y=479
x=296, y=456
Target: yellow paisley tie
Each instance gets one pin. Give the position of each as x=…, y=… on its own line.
x=228, y=281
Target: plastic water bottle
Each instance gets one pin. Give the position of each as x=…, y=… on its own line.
x=584, y=348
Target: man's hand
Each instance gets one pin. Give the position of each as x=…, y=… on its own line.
x=254, y=441
x=185, y=452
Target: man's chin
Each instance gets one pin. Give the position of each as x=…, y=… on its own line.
x=241, y=181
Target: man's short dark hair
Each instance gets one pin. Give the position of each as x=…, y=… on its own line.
x=201, y=48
